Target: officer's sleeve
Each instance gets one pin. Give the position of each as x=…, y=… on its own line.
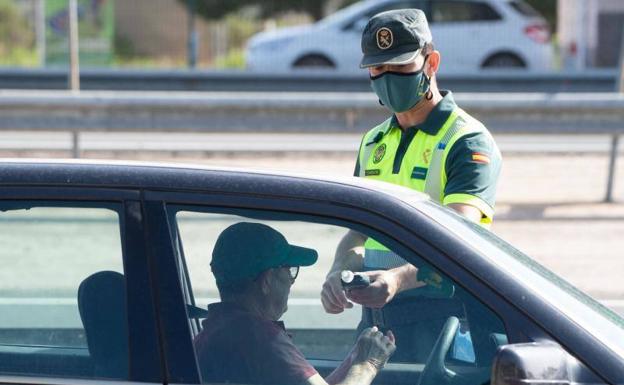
x=472, y=170
x=356, y=171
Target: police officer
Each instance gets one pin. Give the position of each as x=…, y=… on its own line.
x=429, y=144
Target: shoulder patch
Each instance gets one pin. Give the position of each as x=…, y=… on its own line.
x=379, y=153
x=480, y=157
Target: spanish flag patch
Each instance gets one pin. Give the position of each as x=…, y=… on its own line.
x=480, y=158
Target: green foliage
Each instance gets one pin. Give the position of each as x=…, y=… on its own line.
x=548, y=9
x=123, y=47
x=235, y=58
x=240, y=29
x=20, y=57
x=216, y=9
x=147, y=62
x=17, y=39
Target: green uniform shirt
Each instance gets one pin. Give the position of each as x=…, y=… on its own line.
x=472, y=166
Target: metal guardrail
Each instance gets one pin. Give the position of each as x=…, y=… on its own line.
x=301, y=81
x=534, y=113
x=298, y=112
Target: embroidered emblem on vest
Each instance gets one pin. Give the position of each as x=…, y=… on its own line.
x=379, y=153
x=427, y=156
x=384, y=38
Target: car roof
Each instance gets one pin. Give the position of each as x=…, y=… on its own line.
x=170, y=176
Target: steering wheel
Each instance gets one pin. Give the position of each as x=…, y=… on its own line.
x=435, y=372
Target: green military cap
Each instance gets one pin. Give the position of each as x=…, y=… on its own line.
x=245, y=249
x=394, y=37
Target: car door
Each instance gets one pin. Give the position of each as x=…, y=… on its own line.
x=469, y=306
x=327, y=339
x=75, y=303
x=482, y=321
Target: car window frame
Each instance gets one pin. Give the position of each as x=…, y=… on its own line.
x=518, y=327
x=307, y=218
x=187, y=287
x=144, y=358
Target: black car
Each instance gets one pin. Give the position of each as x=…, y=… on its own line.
x=105, y=276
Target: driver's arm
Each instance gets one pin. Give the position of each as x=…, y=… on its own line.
x=358, y=375
x=368, y=356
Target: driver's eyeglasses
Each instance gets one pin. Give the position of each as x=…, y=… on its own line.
x=293, y=271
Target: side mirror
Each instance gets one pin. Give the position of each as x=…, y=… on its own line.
x=535, y=363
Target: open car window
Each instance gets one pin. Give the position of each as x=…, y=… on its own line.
x=438, y=310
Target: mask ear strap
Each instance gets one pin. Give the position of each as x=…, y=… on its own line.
x=429, y=94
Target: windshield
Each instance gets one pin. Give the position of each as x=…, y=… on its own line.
x=584, y=310
x=524, y=9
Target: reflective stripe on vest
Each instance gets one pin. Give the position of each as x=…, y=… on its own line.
x=458, y=124
x=436, y=174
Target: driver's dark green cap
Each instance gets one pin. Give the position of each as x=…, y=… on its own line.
x=246, y=249
x=394, y=37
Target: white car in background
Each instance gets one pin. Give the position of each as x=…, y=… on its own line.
x=470, y=34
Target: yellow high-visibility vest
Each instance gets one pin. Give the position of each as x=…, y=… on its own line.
x=426, y=156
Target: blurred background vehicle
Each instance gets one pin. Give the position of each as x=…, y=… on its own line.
x=471, y=35
x=278, y=34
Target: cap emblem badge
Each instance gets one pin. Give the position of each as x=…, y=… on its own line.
x=384, y=38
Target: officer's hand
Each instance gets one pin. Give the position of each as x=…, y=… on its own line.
x=384, y=286
x=333, y=296
x=373, y=347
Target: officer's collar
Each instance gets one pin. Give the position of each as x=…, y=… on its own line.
x=436, y=118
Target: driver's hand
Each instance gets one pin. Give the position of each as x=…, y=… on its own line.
x=333, y=295
x=373, y=347
x=384, y=286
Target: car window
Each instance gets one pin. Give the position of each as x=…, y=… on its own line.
x=62, y=307
x=586, y=311
x=359, y=22
x=417, y=317
x=524, y=9
x=462, y=11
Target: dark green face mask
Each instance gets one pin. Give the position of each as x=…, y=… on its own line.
x=400, y=91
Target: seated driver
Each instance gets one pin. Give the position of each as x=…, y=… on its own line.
x=242, y=340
